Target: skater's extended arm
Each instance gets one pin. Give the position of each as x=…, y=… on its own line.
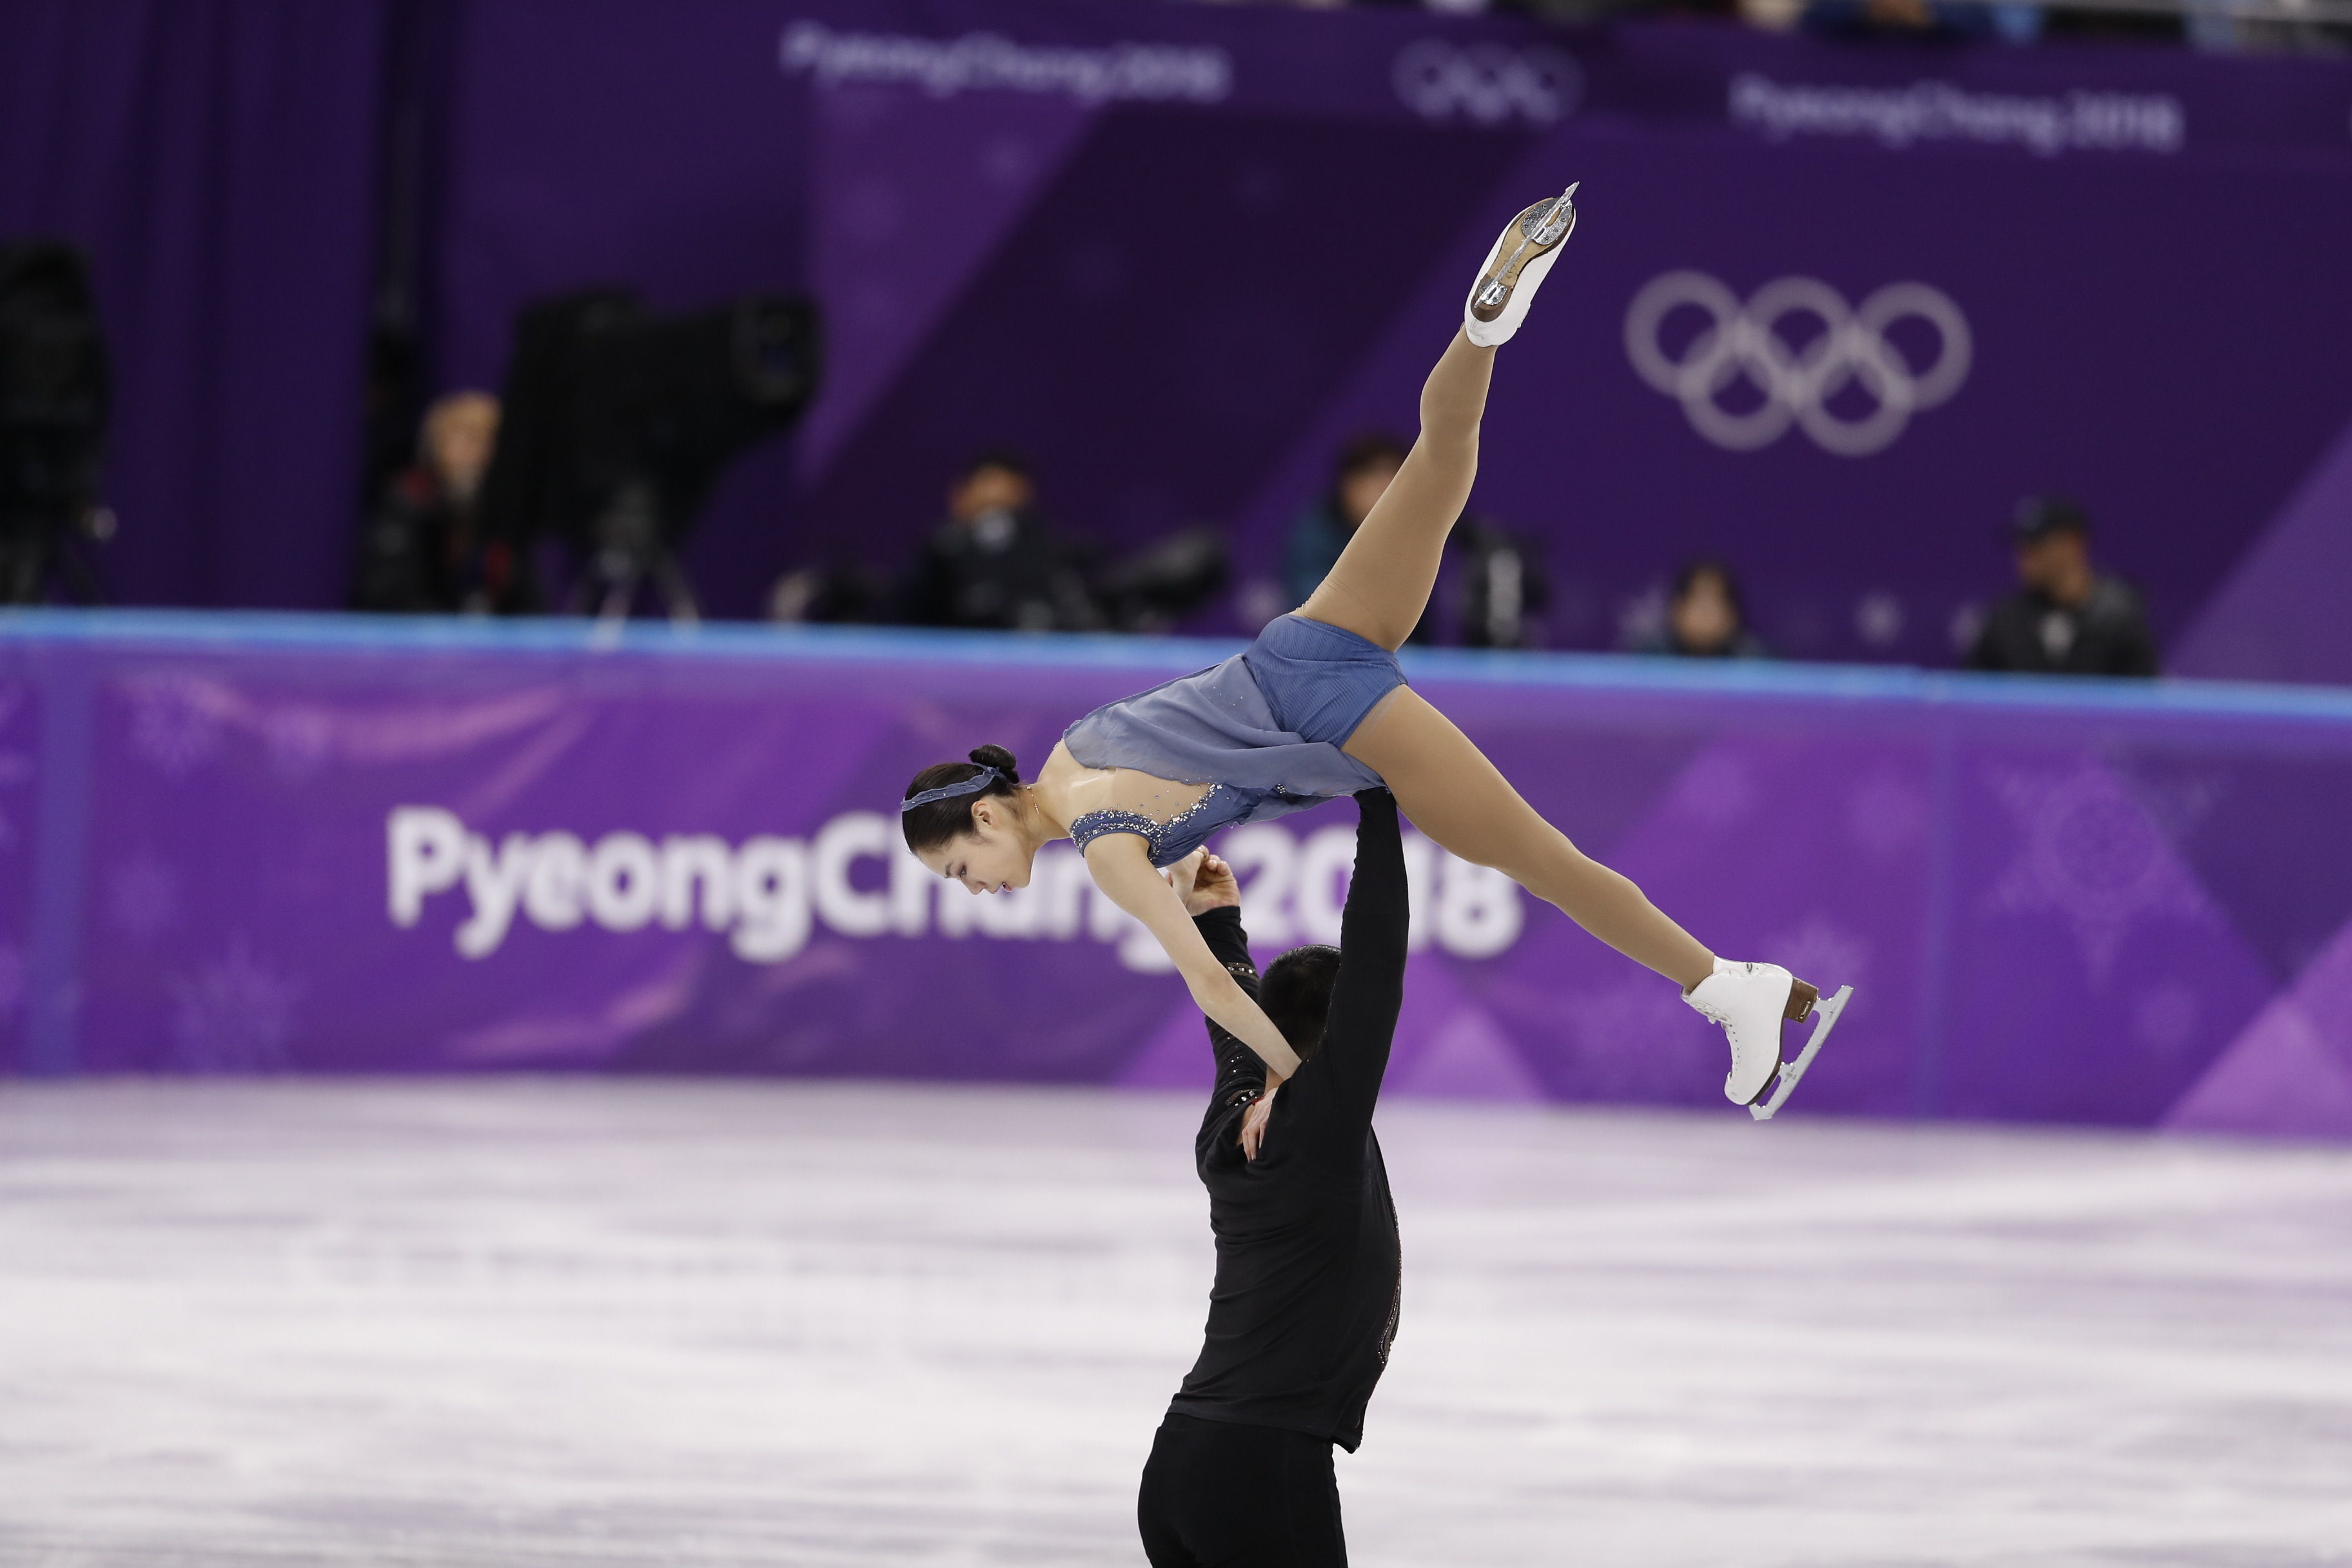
x=1215, y=906
x=1123, y=868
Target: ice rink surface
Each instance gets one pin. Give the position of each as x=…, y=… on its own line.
x=521, y=1322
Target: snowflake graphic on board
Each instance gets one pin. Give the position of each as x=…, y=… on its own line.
x=234, y=1015
x=1636, y=1040
x=143, y=898
x=175, y=723
x=2091, y=856
x=15, y=768
x=1886, y=815
x=299, y=741
x=1821, y=951
x=1719, y=789
x=2164, y=1022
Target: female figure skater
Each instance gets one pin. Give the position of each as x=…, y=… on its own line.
x=1317, y=707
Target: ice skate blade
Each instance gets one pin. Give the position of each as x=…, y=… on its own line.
x=1825, y=1016
x=1557, y=220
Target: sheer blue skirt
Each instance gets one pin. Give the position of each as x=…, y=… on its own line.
x=1266, y=724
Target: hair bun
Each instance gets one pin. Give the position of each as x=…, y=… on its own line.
x=999, y=759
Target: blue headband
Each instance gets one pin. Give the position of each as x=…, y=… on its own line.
x=973, y=785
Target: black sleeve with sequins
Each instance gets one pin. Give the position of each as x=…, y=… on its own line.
x=1241, y=1074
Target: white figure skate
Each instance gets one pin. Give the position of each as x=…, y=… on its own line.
x=1750, y=1000
x=1515, y=268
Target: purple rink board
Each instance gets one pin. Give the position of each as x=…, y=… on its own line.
x=1179, y=253
x=250, y=844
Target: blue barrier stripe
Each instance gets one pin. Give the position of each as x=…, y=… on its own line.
x=230, y=631
x=234, y=631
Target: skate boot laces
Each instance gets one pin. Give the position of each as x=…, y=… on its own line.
x=1704, y=1004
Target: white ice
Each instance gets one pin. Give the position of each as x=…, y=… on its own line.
x=524, y=1323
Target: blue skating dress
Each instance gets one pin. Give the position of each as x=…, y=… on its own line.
x=1264, y=728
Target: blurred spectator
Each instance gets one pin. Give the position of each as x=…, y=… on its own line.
x=422, y=552
x=2114, y=23
x=2067, y=619
x=1956, y=19
x=995, y=564
x=1910, y=18
x=1359, y=480
x=1705, y=618
x=1156, y=587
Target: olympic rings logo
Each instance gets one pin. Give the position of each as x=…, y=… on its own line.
x=1800, y=385
x=1487, y=82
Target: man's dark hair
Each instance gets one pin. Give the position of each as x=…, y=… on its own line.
x=1003, y=457
x=1373, y=448
x=1297, y=995
x=2039, y=517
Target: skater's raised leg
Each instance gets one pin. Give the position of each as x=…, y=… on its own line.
x=1451, y=792
x=1381, y=585
x=1380, y=589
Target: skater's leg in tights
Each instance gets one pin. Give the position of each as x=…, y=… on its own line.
x=1445, y=784
x=1381, y=583
x=1452, y=793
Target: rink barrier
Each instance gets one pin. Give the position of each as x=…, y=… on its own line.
x=254, y=630
x=203, y=868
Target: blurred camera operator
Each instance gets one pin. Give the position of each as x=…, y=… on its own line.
x=422, y=552
x=2065, y=618
x=995, y=564
x=1500, y=588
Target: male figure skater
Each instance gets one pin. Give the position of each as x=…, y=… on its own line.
x=1308, y=1281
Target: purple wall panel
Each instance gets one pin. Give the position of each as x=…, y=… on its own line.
x=2279, y=616
x=1182, y=298
x=270, y=847
x=218, y=160
x=20, y=811
x=1181, y=251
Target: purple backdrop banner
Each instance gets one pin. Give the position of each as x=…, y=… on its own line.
x=1179, y=253
x=218, y=160
x=259, y=845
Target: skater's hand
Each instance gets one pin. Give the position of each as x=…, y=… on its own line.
x=1253, y=1121
x=1180, y=876
x=1210, y=884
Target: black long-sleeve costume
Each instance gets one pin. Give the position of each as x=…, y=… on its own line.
x=2107, y=634
x=1309, y=1282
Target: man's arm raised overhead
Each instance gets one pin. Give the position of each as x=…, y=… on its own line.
x=1370, y=990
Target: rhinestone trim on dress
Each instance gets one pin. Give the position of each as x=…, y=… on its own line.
x=1094, y=825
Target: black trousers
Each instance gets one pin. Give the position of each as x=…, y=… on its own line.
x=1217, y=1494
